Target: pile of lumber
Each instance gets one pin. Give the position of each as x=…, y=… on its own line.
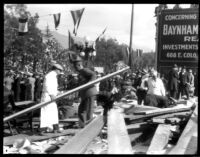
x=175, y=128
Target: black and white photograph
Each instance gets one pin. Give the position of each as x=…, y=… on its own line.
x=86, y=78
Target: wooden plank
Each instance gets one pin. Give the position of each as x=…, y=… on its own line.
x=37, y=119
x=192, y=146
x=118, y=139
x=82, y=139
x=164, y=110
x=21, y=103
x=160, y=139
x=150, y=115
x=137, y=108
x=9, y=140
x=189, y=131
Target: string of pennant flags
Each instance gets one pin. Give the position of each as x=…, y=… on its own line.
x=76, y=16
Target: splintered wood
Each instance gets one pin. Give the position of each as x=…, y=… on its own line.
x=118, y=139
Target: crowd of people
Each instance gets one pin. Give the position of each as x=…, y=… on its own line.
x=146, y=85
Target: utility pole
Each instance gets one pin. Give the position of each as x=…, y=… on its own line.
x=131, y=34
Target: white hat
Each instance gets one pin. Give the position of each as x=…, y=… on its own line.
x=58, y=66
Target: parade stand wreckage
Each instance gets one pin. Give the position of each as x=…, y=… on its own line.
x=125, y=128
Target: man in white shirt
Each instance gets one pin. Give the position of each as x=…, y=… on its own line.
x=156, y=92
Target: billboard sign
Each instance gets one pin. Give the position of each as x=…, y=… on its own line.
x=178, y=36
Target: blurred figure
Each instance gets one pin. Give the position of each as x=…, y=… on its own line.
x=173, y=82
x=183, y=84
x=190, y=82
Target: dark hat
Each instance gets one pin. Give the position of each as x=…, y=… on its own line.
x=77, y=59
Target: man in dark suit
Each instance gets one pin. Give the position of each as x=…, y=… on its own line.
x=17, y=86
x=38, y=88
x=173, y=82
x=184, y=89
x=88, y=95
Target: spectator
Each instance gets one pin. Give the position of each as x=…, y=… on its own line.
x=190, y=82
x=32, y=82
x=17, y=87
x=173, y=82
x=183, y=84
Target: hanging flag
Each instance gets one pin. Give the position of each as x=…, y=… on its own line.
x=139, y=52
x=76, y=15
x=56, y=19
x=100, y=35
x=23, y=26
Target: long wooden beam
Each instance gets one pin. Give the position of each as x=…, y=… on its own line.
x=79, y=143
x=189, y=131
x=160, y=139
x=63, y=95
x=118, y=139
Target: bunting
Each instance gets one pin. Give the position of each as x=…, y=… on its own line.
x=76, y=15
x=100, y=35
x=56, y=19
x=23, y=26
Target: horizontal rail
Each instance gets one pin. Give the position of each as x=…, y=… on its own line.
x=37, y=106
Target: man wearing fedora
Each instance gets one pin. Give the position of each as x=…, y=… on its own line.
x=49, y=113
x=88, y=95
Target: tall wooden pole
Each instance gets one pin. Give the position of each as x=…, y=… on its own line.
x=131, y=31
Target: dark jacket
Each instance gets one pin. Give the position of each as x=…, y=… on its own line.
x=86, y=75
x=173, y=80
x=183, y=78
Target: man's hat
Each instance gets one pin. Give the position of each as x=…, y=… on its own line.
x=175, y=66
x=58, y=66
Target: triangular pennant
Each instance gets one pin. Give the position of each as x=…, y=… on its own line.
x=56, y=19
x=76, y=15
x=23, y=26
x=100, y=35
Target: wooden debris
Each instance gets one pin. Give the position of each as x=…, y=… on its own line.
x=10, y=139
x=160, y=139
x=118, y=139
x=82, y=139
x=165, y=110
x=189, y=131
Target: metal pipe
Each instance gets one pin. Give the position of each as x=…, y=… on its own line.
x=63, y=95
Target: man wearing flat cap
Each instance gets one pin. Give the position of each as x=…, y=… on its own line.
x=49, y=113
x=88, y=95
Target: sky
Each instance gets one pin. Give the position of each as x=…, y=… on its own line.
x=96, y=17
